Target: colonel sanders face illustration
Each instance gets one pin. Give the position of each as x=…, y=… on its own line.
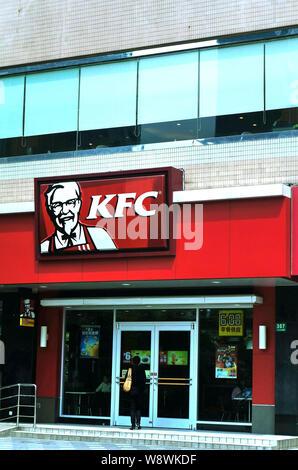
x=64, y=203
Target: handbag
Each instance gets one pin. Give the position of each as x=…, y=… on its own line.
x=128, y=382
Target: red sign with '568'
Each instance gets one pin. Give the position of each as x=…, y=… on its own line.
x=111, y=214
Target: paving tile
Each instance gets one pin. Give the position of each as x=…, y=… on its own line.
x=13, y=443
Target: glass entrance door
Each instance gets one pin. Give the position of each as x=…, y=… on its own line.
x=172, y=382
x=132, y=342
x=167, y=353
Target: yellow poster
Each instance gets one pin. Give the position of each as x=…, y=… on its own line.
x=27, y=315
x=230, y=323
x=27, y=322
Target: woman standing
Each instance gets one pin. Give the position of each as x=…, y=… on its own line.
x=136, y=393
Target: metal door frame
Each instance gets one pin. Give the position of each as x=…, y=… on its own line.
x=155, y=327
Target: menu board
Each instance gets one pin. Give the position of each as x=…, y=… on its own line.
x=144, y=356
x=173, y=358
x=166, y=358
x=89, y=346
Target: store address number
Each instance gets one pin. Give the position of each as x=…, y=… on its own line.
x=230, y=323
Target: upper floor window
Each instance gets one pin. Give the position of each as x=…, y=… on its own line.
x=108, y=96
x=213, y=92
x=11, y=107
x=168, y=88
x=231, y=80
x=51, y=104
x=281, y=82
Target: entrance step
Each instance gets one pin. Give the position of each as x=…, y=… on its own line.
x=6, y=428
x=177, y=439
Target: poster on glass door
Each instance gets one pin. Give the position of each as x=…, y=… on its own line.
x=128, y=355
x=173, y=358
x=226, y=357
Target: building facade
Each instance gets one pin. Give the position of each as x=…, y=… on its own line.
x=148, y=207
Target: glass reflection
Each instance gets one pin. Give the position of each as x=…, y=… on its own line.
x=225, y=366
x=277, y=120
x=87, y=363
x=173, y=374
x=134, y=343
x=101, y=138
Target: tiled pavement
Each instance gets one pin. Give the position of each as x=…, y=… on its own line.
x=103, y=438
x=14, y=443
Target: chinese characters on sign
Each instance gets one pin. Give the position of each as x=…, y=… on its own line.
x=230, y=323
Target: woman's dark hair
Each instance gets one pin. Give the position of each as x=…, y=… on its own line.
x=136, y=360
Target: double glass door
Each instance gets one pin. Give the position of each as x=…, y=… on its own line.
x=167, y=353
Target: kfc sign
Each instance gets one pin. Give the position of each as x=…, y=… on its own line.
x=123, y=201
x=105, y=215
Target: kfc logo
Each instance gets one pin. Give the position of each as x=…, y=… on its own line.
x=104, y=215
x=63, y=204
x=123, y=201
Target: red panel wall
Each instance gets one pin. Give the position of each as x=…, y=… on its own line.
x=260, y=237
x=241, y=238
x=295, y=231
x=264, y=359
x=48, y=360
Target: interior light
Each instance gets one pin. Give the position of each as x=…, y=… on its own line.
x=43, y=336
x=241, y=117
x=254, y=124
x=216, y=282
x=178, y=124
x=262, y=337
x=126, y=284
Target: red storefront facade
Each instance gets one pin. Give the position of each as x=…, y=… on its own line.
x=233, y=253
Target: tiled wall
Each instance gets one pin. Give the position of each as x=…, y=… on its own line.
x=41, y=30
x=230, y=162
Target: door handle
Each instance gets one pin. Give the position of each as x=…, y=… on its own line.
x=178, y=379
x=173, y=381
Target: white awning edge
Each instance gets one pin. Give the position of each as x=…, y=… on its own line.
x=193, y=195
x=204, y=301
x=234, y=192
